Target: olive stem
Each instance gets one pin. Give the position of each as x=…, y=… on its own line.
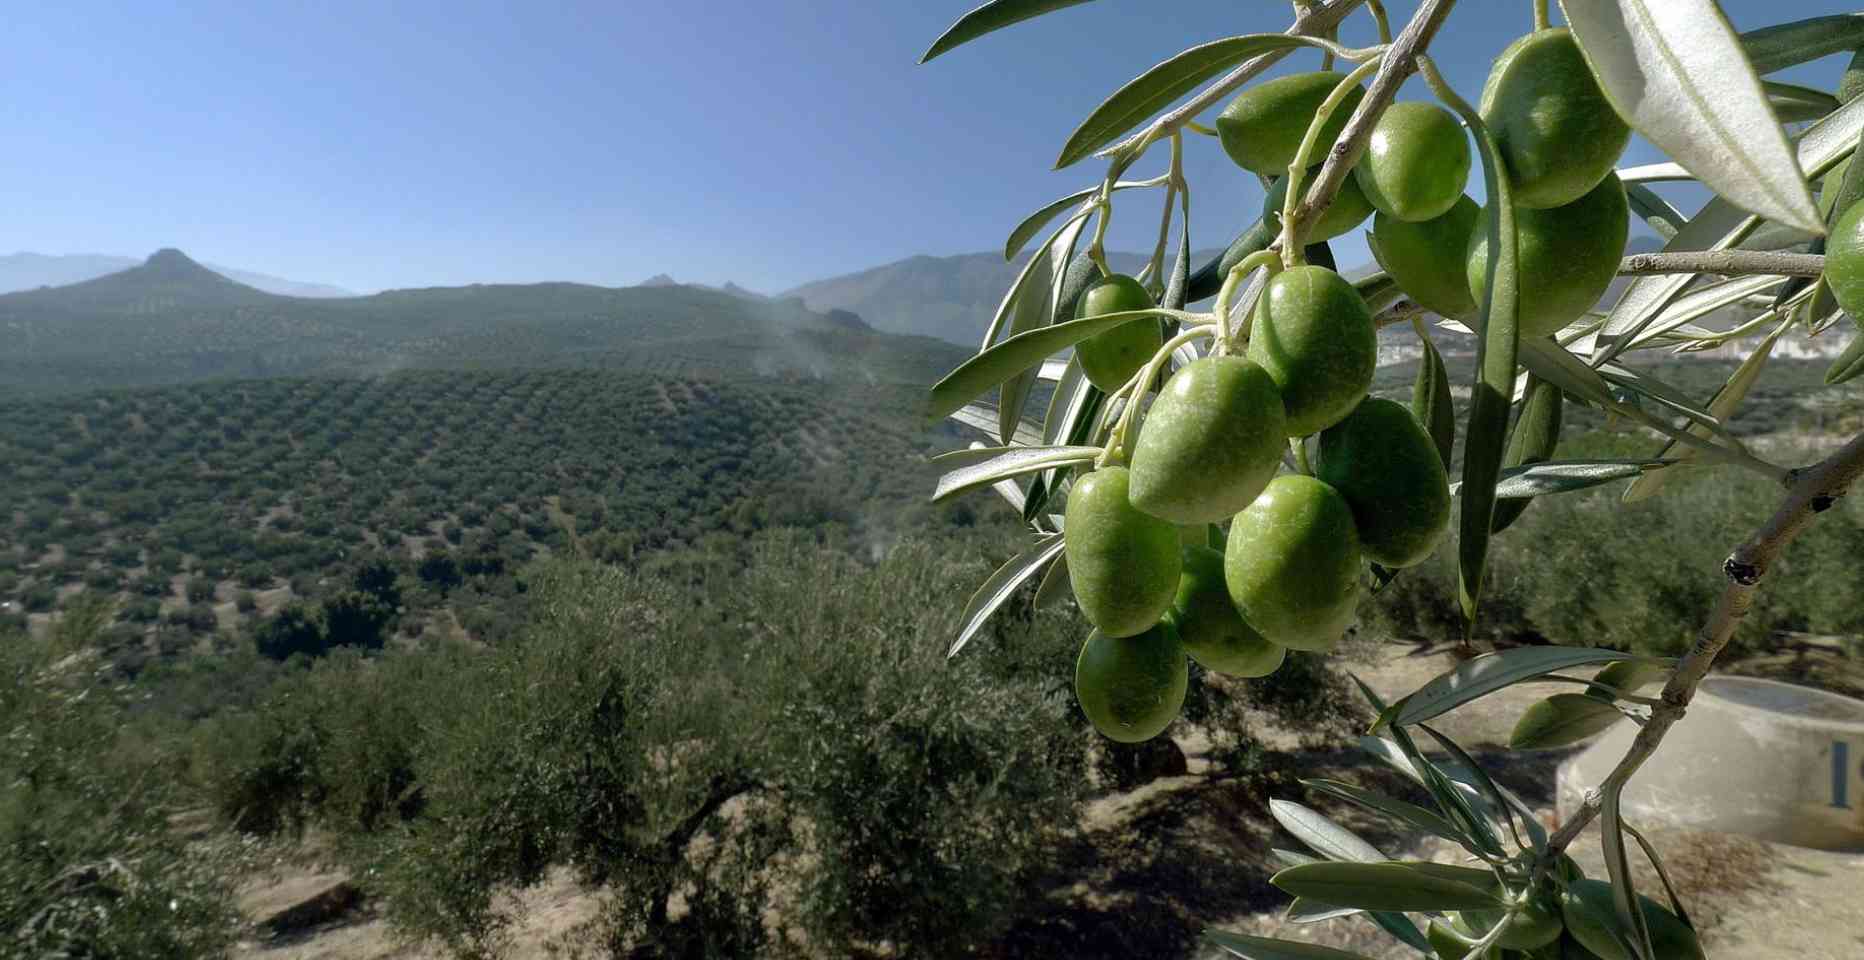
x=1196, y=127
x=1378, y=17
x=1398, y=63
x=1295, y=231
x=1727, y=263
x=1317, y=19
x=1298, y=446
x=1810, y=492
x=1175, y=182
x=1268, y=259
x=1136, y=389
x=1541, y=19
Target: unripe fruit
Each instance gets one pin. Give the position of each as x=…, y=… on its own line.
x=1349, y=208
x=1212, y=440
x=1110, y=358
x=1213, y=633
x=1122, y=563
x=1380, y=459
x=1292, y=564
x=1429, y=260
x=1567, y=257
x=1591, y=915
x=1314, y=335
x=1556, y=133
x=1262, y=128
x=1131, y=688
x=1844, y=260
x=1416, y=163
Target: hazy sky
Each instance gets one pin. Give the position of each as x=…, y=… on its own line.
x=406, y=143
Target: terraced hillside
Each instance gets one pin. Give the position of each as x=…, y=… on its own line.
x=196, y=508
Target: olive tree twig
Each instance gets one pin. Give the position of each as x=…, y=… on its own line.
x=1812, y=491
x=1316, y=20
x=1725, y=263
x=1400, y=64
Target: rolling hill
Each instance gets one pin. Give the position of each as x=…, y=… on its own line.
x=951, y=298
x=172, y=320
x=28, y=271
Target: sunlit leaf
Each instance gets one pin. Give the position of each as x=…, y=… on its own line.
x=1033, y=223
x=1009, y=462
x=1627, y=676
x=1327, y=838
x=1001, y=586
x=1408, y=813
x=982, y=417
x=1490, y=672
x=1560, y=720
x=1722, y=406
x=1381, y=886
x=991, y=17
x=1302, y=910
x=1793, y=103
x=1159, y=87
x=1019, y=353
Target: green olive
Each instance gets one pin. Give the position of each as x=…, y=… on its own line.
x=1844, y=260
x=1293, y=564
x=1567, y=257
x=1429, y=259
x=1110, y=358
x=1123, y=564
x=1349, y=208
x=1591, y=914
x=1262, y=128
x=1212, y=441
x=1416, y=163
x=1214, y=634
x=1380, y=459
x=1557, y=134
x=1131, y=688
x=1314, y=335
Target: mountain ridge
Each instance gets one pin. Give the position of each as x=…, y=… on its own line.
x=27, y=270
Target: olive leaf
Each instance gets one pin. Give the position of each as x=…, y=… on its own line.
x=1039, y=219
x=1793, y=103
x=1025, y=350
x=1180, y=286
x=1055, y=586
x=1551, y=362
x=1478, y=778
x=1675, y=71
x=1303, y=910
x=1037, y=274
x=1007, y=462
x=1263, y=948
x=1431, y=402
x=1719, y=225
x=1208, y=279
x=1486, y=674
x=1653, y=173
x=1535, y=436
x=1001, y=586
x=1848, y=365
x=1627, y=676
x=1327, y=838
x=1662, y=217
x=1723, y=406
x=1786, y=44
x=1656, y=862
x=1493, y=393
x=982, y=417
x=1034, y=296
x=1562, y=719
x=1618, y=867
x=1159, y=87
x=1408, y=813
x=991, y=17
x=1701, y=302
x=1382, y=886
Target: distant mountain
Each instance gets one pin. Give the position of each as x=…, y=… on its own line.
x=665, y=280
x=172, y=320
x=27, y=271
x=951, y=298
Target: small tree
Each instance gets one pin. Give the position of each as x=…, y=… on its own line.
x=1167, y=418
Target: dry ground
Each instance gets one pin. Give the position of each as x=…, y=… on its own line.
x=1148, y=868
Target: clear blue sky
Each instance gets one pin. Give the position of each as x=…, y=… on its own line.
x=411, y=143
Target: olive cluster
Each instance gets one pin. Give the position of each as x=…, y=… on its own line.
x=1582, y=907
x=1210, y=449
